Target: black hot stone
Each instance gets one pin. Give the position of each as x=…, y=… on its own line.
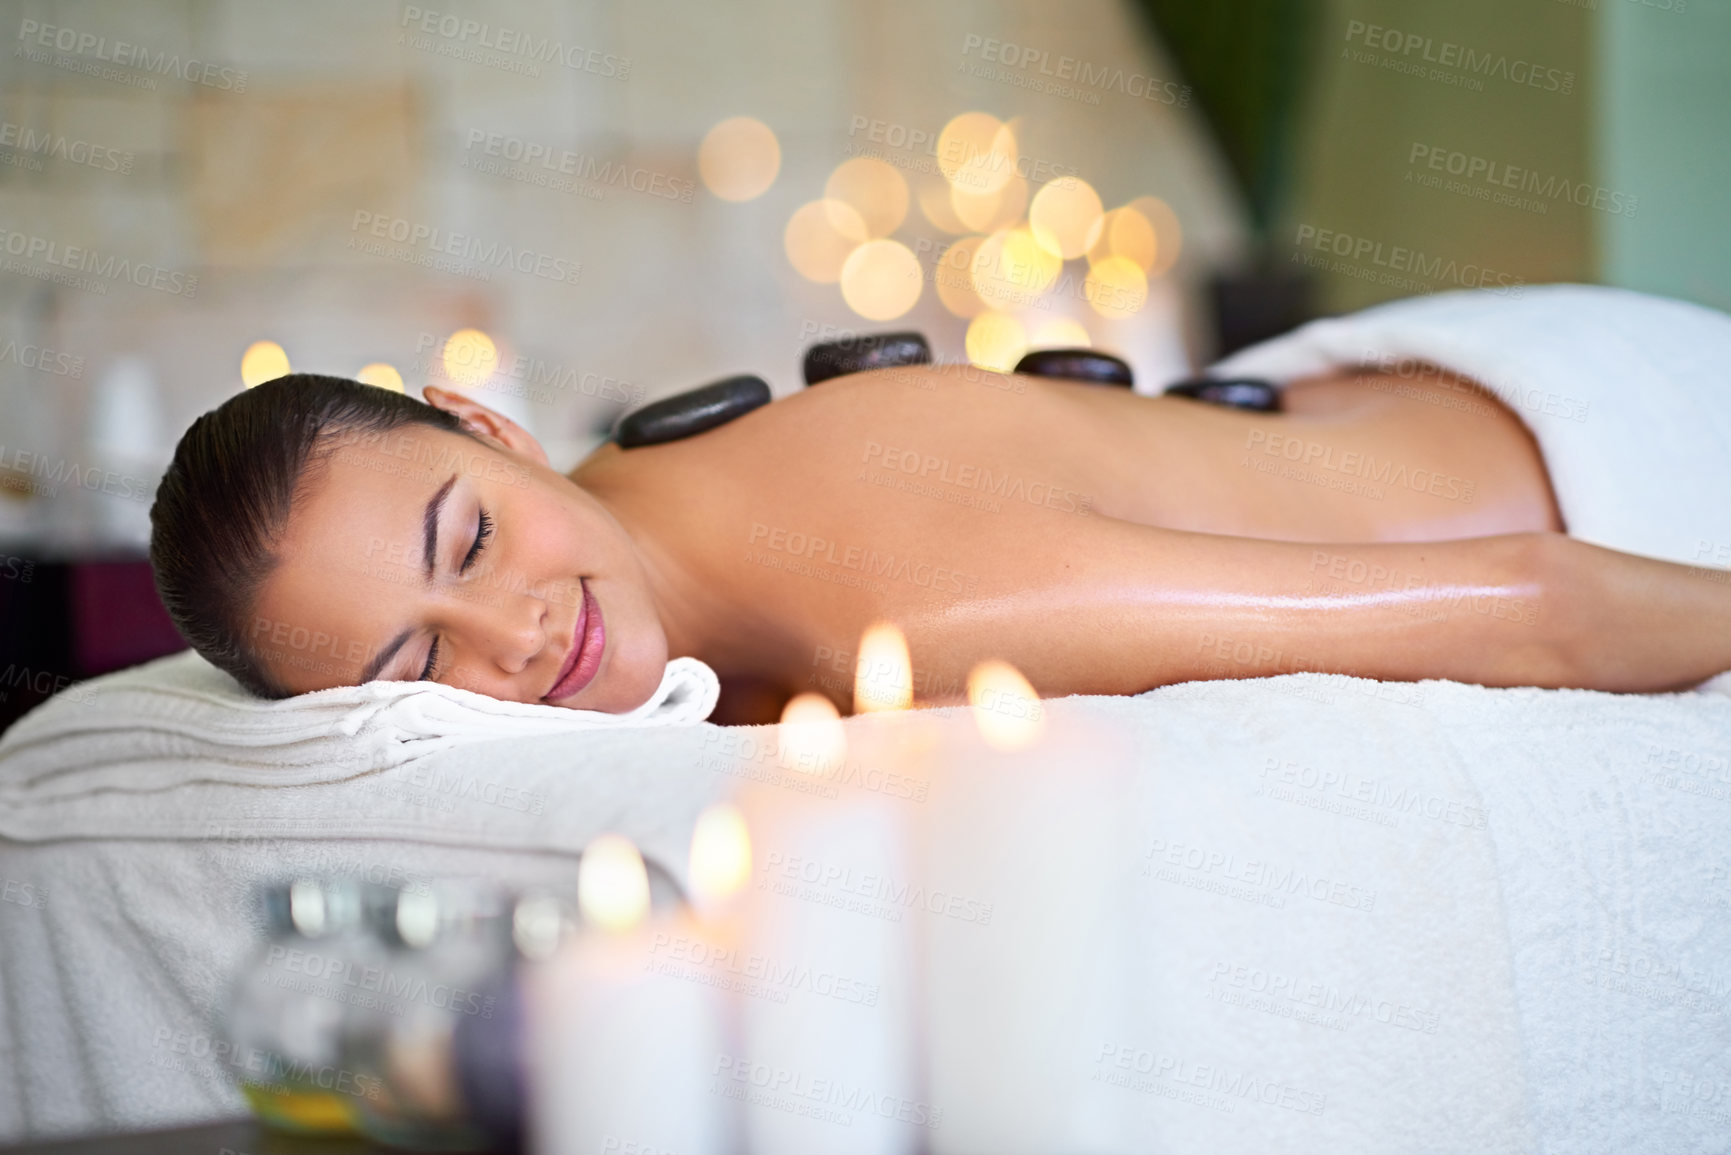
x=1077, y=365
x=695, y=411
x=866, y=351
x=1233, y=392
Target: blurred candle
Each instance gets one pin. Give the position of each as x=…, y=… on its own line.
x=1017, y=1008
x=620, y=1050
x=831, y=1067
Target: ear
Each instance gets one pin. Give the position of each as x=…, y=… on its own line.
x=488, y=423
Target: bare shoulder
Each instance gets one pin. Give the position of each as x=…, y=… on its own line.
x=912, y=419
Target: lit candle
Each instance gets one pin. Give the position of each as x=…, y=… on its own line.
x=829, y=1067
x=619, y=1052
x=1026, y=812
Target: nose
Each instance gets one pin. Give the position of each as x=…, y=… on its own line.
x=509, y=634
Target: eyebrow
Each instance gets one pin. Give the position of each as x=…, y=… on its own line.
x=429, y=554
x=430, y=525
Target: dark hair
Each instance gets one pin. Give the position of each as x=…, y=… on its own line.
x=221, y=507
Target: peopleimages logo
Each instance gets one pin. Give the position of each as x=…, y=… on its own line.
x=35, y=35
x=58, y=147
x=1087, y=77
x=431, y=245
x=1370, y=259
x=1453, y=63
x=1493, y=177
x=463, y=39
x=83, y=259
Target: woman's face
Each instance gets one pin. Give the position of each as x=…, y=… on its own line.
x=423, y=553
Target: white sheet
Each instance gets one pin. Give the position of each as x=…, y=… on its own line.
x=1549, y=922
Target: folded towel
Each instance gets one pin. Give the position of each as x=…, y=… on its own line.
x=1627, y=395
x=179, y=719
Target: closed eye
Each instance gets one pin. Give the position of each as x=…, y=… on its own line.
x=483, y=531
x=432, y=661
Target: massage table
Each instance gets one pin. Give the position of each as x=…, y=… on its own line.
x=1358, y=916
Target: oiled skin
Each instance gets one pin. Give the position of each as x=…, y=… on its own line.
x=1021, y=527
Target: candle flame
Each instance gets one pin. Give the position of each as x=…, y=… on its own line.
x=812, y=738
x=720, y=854
x=612, y=883
x=1005, y=707
x=883, y=678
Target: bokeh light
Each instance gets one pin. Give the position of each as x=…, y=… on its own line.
x=263, y=361
x=883, y=676
x=1064, y=215
x=996, y=341
x=934, y=198
x=1169, y=235
x=1116, y=287
x=537, y=924
x=819, y=237
x=812, y=737
x=875, y=190
x=383, y=375
x=953, y=277
x=1006, y=709
x=739, y=158
x=720, y=854
x=1011, y=270
x=417, y=917
x=881, y=280
x=612, y=883
x=977, y=152
x=1125, y=232
x=469, y=357
x=990, y=211
x=1060, y=333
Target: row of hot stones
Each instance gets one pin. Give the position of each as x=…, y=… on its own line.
x=706, y=407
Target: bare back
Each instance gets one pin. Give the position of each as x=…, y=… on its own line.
x=926, y=495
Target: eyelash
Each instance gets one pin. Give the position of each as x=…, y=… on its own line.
x=483, y=532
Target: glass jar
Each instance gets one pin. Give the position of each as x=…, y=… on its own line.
x=446, y=946
x=287, y=1015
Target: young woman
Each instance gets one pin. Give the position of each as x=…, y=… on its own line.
x=314, y=532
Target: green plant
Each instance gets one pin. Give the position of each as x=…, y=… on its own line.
x=1247, y=63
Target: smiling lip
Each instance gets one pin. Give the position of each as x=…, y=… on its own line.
x=583, y=659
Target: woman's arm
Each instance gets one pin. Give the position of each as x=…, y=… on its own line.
x=1114, y=607
x=1643, y=625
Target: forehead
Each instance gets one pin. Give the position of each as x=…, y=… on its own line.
x=349, y=560
x=377, y=480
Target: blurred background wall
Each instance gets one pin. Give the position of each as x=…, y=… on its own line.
x=338, y=184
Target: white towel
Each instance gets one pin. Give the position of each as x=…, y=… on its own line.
x=179, y=719
x=1628, y=396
